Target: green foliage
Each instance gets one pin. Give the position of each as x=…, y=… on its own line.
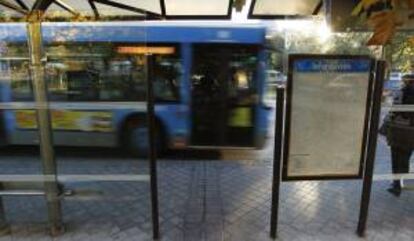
x=400, y=53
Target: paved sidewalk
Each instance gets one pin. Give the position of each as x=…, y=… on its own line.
x=208, y=200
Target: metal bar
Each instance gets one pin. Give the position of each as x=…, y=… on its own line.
x=230, y=9
x=137, y=106
x=399, y=108
x=66, y=7
x=14, y=58
x=391, y=177
x=128, y=7
x=94, y=9
x=34, y=33
x=41, y=5
x=4, y=226
x=163, y=9
x=372, y=146
x=277, y=161
x=318, y=8
x=22, y=4
x=22, y=193
x=74, y=178
x=152, y=151
x=13, y=7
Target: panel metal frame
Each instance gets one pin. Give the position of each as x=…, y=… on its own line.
x=371, y=147
x=43, y=5
x=277, y=160
x=289, y=91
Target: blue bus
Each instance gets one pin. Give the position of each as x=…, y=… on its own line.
x=209, y=85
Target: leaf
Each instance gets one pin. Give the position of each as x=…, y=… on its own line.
x=358, y=9
x=411, y=41
x=368, y=3
x=397, y=3
x=384, y=25
x=410, y=4
x=363, y=5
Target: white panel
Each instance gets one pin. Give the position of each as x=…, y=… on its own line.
x=285, y=7
x=328, y=106
x=197, y=7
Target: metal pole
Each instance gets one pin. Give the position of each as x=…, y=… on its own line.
x=152, y=150
x=277, y=160
x=34, y=32
x=372, y=147
x=4, y=227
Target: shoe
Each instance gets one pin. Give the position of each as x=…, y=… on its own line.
x=395, y=189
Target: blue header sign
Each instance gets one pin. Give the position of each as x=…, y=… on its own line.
x=333, y=65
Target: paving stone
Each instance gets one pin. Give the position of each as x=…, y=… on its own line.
x=207, y=200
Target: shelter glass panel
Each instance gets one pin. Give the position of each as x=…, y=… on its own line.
x=197, y=7
x=292, y=7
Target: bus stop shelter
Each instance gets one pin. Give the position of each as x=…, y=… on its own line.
x=34, y=12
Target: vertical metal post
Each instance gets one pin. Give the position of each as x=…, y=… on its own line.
x=277, y=160
x=4, y=227
x=34, y=32
x=152, y=150
x=372, y=147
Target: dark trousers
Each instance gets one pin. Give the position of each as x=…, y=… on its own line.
x=4, y=227
x=400, y=161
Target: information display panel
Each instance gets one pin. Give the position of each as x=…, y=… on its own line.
x=327, y=111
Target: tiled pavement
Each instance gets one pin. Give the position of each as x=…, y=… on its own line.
x=206, y=200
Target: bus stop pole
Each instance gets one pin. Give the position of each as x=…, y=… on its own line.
x=372, y=147
x=34, y=32
x=152, y=151
x=277, y=161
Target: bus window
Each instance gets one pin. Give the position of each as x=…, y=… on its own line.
x=19, y=76
x=242, y=90
x=167, y=79
x=82, y=86
x=65, y=84
x=113, y=76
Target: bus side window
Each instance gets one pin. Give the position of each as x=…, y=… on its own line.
x=18, y=74
x=56, y=82
x=82, y=86
x=167, y=79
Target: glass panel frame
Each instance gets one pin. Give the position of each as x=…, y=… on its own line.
x=111, y=10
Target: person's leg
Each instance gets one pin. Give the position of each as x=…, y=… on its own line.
x=405, y=164
x=4, y=227
x=400, y=159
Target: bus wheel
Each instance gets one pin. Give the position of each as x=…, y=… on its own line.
x=137, y=139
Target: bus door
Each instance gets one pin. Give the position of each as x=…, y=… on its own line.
x=223, y=95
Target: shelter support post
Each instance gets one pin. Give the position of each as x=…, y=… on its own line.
x=277, y=161
x=35, y=43
x=152, y=150
x=372, y=147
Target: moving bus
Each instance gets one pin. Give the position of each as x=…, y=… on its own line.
x=208, y=85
